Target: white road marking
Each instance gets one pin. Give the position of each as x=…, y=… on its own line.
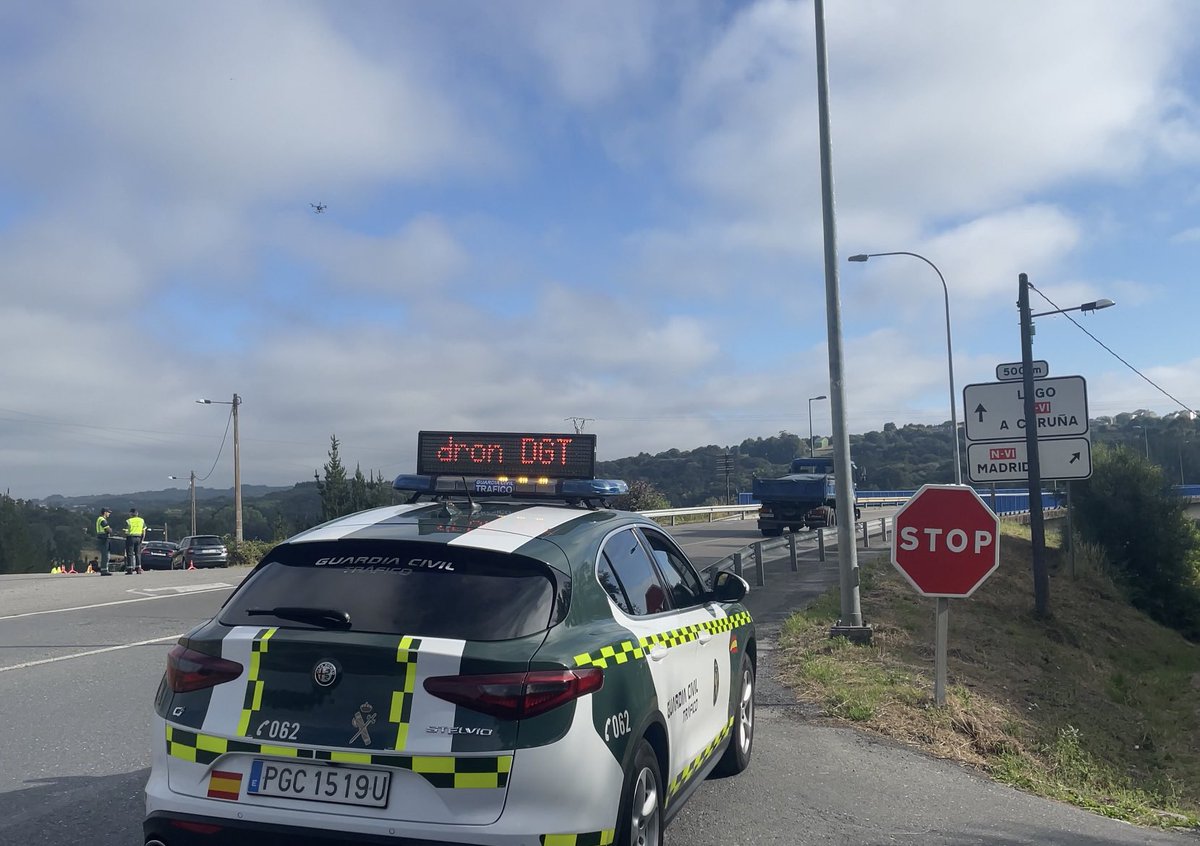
x=28, y=664
x=179, y=589
x=106, y=604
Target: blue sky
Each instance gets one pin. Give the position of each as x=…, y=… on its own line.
x=544, y=210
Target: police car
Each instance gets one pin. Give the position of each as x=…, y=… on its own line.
x=503, y=659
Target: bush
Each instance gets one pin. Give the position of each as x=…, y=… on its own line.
x=1128, y=508
x=248, y=553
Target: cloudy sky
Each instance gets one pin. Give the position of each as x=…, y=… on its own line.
x=543, y=210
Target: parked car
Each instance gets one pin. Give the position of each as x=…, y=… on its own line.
x=156, y=555
x=200, y=551
x=511, y=663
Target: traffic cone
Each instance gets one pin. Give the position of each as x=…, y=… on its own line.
x=55, y=570
x=90, y=570
x=73, y=571
x=191, y=566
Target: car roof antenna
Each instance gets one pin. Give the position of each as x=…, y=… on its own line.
x=470, y=500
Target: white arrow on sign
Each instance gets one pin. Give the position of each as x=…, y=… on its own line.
x=1007, y=461
x=995, y=411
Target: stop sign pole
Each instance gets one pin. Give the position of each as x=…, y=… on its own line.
x=946, y=543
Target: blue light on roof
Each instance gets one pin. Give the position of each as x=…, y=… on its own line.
x=586, y=488
x=417, y=484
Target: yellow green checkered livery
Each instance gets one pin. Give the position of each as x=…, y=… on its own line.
x=254, y=684
x=694, y=766
x=627, y=650
x=588, y=838
x=452, y=773
x=400, y=711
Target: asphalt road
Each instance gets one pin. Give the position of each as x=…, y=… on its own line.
x=81, y=657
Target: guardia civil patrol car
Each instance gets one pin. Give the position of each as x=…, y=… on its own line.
x=503, y=659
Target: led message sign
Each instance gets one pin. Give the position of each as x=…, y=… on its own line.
x=513, y=454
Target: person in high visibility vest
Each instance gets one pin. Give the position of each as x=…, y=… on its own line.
x=103, y=533
x=135, y=530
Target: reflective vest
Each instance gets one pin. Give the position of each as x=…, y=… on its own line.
x=135, y=526
x=102, y=527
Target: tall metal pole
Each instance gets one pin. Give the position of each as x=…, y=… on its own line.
x=237, y=474
x=192, y=489
x=1037, y=525
x=851, y=623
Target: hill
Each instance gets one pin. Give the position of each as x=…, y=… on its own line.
x=1095, y=706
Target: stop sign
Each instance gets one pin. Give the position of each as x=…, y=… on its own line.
x=946, y=541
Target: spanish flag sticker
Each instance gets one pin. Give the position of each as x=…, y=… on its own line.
x=222, y=785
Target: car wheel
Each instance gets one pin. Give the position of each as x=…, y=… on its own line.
x=641, y=819
x=741, y=738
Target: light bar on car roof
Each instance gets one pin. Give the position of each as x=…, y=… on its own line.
x=521, y=486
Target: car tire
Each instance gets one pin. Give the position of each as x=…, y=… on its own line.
x=641, y=817
x=741, y=735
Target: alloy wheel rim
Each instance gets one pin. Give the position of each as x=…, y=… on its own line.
x=746, y=713
x=644, y=810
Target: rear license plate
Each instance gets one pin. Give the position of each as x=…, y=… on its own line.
x=320, y=783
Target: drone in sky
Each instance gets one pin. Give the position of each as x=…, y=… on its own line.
x=318, y=208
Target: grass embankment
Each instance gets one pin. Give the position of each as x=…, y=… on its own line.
x=1097, y=706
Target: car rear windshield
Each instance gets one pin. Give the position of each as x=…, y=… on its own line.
x=206, y=540
x=398, y=587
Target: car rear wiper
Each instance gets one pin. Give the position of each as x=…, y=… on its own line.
x=330, y=618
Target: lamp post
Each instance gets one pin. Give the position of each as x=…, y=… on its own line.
x=1145, y=438
x=1181, y=445
x=237, y=466
x=811, y=442
x=192, y=493
x=1037, y=524
x=949, y=350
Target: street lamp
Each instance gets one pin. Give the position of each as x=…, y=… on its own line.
x=949, y=350
x=1146, y=438
x=811, y=442
x=192, y=492
x=237, y=466
x=1181, y=445
x=1037, y=523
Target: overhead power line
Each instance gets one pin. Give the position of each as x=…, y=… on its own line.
x=1110, y=351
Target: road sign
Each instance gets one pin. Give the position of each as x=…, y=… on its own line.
x=946, y=541
x=995, y=411
x=1016, y=370
x=1007, y=461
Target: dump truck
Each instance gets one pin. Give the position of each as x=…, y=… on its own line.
x=803, y=499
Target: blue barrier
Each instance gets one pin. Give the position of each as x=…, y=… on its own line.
x=1005, y=500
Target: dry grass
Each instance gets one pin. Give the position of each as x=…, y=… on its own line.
x=1096, y=705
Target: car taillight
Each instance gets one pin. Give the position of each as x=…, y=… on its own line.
x=188, y=670
x=516, y=696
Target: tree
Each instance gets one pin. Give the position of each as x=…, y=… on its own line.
x=642, y=496
x=334, y=489
x=1128, y=508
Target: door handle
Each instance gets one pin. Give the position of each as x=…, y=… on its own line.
x=705, y=636
x=658, y=652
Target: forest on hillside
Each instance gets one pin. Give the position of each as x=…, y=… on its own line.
x=34, y=535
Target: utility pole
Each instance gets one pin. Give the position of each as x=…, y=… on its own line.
x=192, y=490
x=1037, y=525
x=237, y=474
x=579, y=423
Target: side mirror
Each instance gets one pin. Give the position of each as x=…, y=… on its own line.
x=729, y=587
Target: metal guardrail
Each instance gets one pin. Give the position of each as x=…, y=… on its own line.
x=758, y=551
x=700, y=510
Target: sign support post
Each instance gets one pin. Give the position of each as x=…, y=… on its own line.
x=942, y=625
